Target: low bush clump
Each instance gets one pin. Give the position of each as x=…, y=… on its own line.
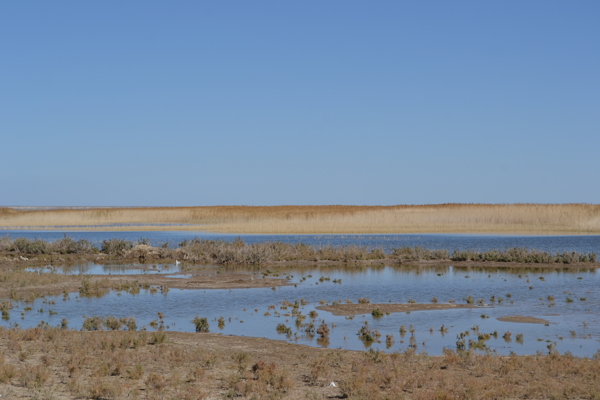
x=201, y=324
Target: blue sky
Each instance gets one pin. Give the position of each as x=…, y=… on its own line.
x=188, y=103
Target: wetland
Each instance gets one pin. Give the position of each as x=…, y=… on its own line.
x=412, y=305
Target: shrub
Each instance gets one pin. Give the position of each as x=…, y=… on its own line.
x=5, y=243
x=35, y=377
x=281, y=328
x=201, y=324
x=368, y=335
x=67, y=245
x=377, y=313
x=93, y=324
x=115, y=246
x=24, y=245
x=323, y=330
x=158, y=338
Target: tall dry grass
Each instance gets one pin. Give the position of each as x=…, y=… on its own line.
x=441, y=218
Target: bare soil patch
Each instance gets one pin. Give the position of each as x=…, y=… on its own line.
x=355, y=309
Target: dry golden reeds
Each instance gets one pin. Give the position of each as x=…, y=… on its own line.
x=441, y=218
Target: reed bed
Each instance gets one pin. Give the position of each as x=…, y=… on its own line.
x=441, y=218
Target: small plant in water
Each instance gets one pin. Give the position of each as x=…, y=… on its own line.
x=389, y=341
x=377, y=313
x=519, y=338
x=281, y=328
x=323, y=330
x=368, y=335
x=201, y=324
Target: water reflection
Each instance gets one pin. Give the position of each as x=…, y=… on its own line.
x=90, y=268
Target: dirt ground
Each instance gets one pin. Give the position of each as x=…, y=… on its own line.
x=54, y=364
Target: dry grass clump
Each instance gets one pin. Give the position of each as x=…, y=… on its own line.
x=127, y=364
x=440, y=218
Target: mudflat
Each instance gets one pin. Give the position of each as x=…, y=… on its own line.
x=29, y=285
x=523, y=319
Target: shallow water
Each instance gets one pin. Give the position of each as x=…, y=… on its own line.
x=90, y=268
x=582, y=244
x=380, y=285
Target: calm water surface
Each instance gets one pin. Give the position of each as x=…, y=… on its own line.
x=583, y=244
x=574, y=326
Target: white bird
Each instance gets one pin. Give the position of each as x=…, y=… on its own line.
x=177, y=262
x=332, y=384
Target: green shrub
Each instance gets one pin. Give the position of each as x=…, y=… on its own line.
x=377, y=313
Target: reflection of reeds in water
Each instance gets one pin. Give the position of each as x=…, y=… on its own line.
x=482, y=218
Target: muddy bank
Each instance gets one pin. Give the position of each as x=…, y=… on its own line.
x=523, y=319
x=355, y=309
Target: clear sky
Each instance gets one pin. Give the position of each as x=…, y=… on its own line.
x=166, y=103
